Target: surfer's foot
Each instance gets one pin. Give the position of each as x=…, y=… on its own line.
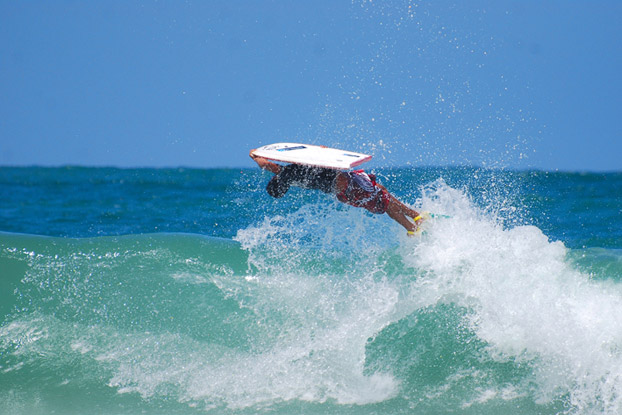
x=418, y=220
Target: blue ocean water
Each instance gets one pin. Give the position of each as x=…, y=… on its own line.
x=188, y=291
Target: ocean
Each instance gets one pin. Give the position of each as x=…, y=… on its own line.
x=191, y=291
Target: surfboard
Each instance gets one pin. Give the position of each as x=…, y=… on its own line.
x=312, y=155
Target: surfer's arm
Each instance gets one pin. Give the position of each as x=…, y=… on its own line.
x=265, y=164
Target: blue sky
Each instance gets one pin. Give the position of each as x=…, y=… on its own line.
x=518, y=84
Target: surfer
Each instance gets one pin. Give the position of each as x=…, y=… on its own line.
x=355, y=188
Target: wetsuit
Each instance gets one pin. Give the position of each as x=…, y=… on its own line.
x=306, y=177
x=361, y=191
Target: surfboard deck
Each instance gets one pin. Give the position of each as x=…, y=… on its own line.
x=312, y=155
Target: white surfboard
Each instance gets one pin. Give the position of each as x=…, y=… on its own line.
x=312, y=155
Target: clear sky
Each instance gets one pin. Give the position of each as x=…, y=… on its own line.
x=519, y=84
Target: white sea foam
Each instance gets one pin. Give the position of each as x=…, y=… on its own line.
x=316, y=355
x=528, y=302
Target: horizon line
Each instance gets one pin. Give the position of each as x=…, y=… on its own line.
x=247, y=167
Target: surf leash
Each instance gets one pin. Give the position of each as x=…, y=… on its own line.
x=423, y=216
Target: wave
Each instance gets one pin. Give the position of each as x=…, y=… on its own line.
x=325, y=309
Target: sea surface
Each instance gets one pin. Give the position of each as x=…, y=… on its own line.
x=189, y=291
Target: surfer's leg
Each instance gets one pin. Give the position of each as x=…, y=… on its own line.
x=405, y=210
x=399, y=211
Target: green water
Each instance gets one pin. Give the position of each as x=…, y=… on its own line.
x=508, y=305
